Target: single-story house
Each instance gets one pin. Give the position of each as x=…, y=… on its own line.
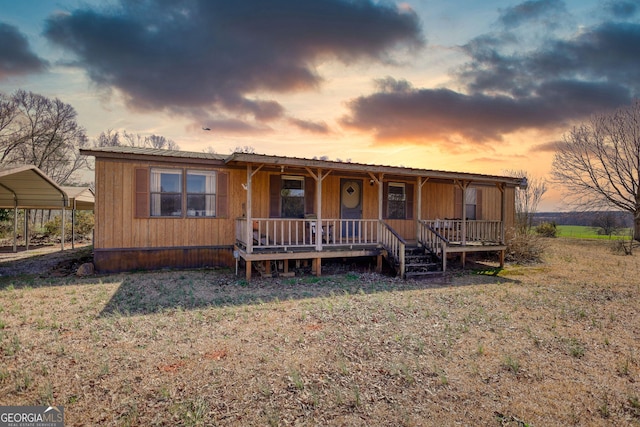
x=160, y=208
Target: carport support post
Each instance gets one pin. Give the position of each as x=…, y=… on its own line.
x=73, y=226
x=26, y=229
x=15, y=228
x=63, y=224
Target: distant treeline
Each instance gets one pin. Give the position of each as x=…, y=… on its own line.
x=623, y=219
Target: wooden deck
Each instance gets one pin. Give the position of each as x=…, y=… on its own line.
x=270, y=239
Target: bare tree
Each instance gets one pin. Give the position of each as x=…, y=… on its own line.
x=607, y=224
x=112, y=138
x=9, y=127
x=246, y=149
x=598, y=163
x=42, y=132
x=209, y=150
x=108, y=138
x=527, y=198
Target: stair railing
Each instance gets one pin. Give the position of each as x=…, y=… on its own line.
x=395, y=246
x=433, y=241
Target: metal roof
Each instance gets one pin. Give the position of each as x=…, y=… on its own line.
x=240, y=159
x=27, y=187
x=80, y=198
x=151, y=152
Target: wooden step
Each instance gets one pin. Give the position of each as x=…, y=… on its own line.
x=418, y=274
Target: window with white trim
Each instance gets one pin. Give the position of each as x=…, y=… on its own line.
x=170, y=197
x=166, y=192
x=201, y=193
x=471, y=203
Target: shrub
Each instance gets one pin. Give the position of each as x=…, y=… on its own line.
x=84, y=223
x=524, y=247
x=547, y=229
x=622, y=247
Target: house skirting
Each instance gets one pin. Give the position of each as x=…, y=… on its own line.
x=115, y=260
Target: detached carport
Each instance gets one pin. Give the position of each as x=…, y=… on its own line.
x=27, y=187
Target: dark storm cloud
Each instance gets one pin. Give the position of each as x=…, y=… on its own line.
x=310, y=126
x=400, y=112
x=215, y=55
x=545, y=11
x=623, y=9
x=508, y=87
x=545, y=147
x=16, y=56
x=608, y=52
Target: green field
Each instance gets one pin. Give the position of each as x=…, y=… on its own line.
x=585, y=232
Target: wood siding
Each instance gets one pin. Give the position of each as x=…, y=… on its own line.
x=118, y=226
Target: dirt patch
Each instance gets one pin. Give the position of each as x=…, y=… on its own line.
x=43, y=260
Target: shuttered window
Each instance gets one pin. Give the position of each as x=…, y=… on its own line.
x=163, y=192
x=291, y=196
x=396, y=201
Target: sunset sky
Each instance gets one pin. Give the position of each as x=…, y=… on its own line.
x=472, y=86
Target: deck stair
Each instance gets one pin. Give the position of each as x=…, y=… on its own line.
x=421, y=263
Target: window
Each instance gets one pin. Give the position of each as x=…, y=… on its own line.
x=397, y=198
x=470, y=204
x=201, y=193
x=167, y=189
x=166, y=192
x=292, y=197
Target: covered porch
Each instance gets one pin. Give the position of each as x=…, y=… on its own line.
x=321, y=234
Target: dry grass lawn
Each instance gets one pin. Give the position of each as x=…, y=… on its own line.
x=551, y=344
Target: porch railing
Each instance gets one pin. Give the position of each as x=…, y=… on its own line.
x=395, y=246
x=291, y=233
x=462, y=232
x=283, y=233
x=435, y=242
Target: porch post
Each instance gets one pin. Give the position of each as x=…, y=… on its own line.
x=419, y=213
x=380, y=205
x=463, y=185
x=503, y=214
x=319, y=229
x=421, y=184
x=249, y=236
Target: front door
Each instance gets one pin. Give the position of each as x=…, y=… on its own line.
x=350, y=205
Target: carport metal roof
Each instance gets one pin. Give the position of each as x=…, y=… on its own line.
x=80, y=198
x=27, y=187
